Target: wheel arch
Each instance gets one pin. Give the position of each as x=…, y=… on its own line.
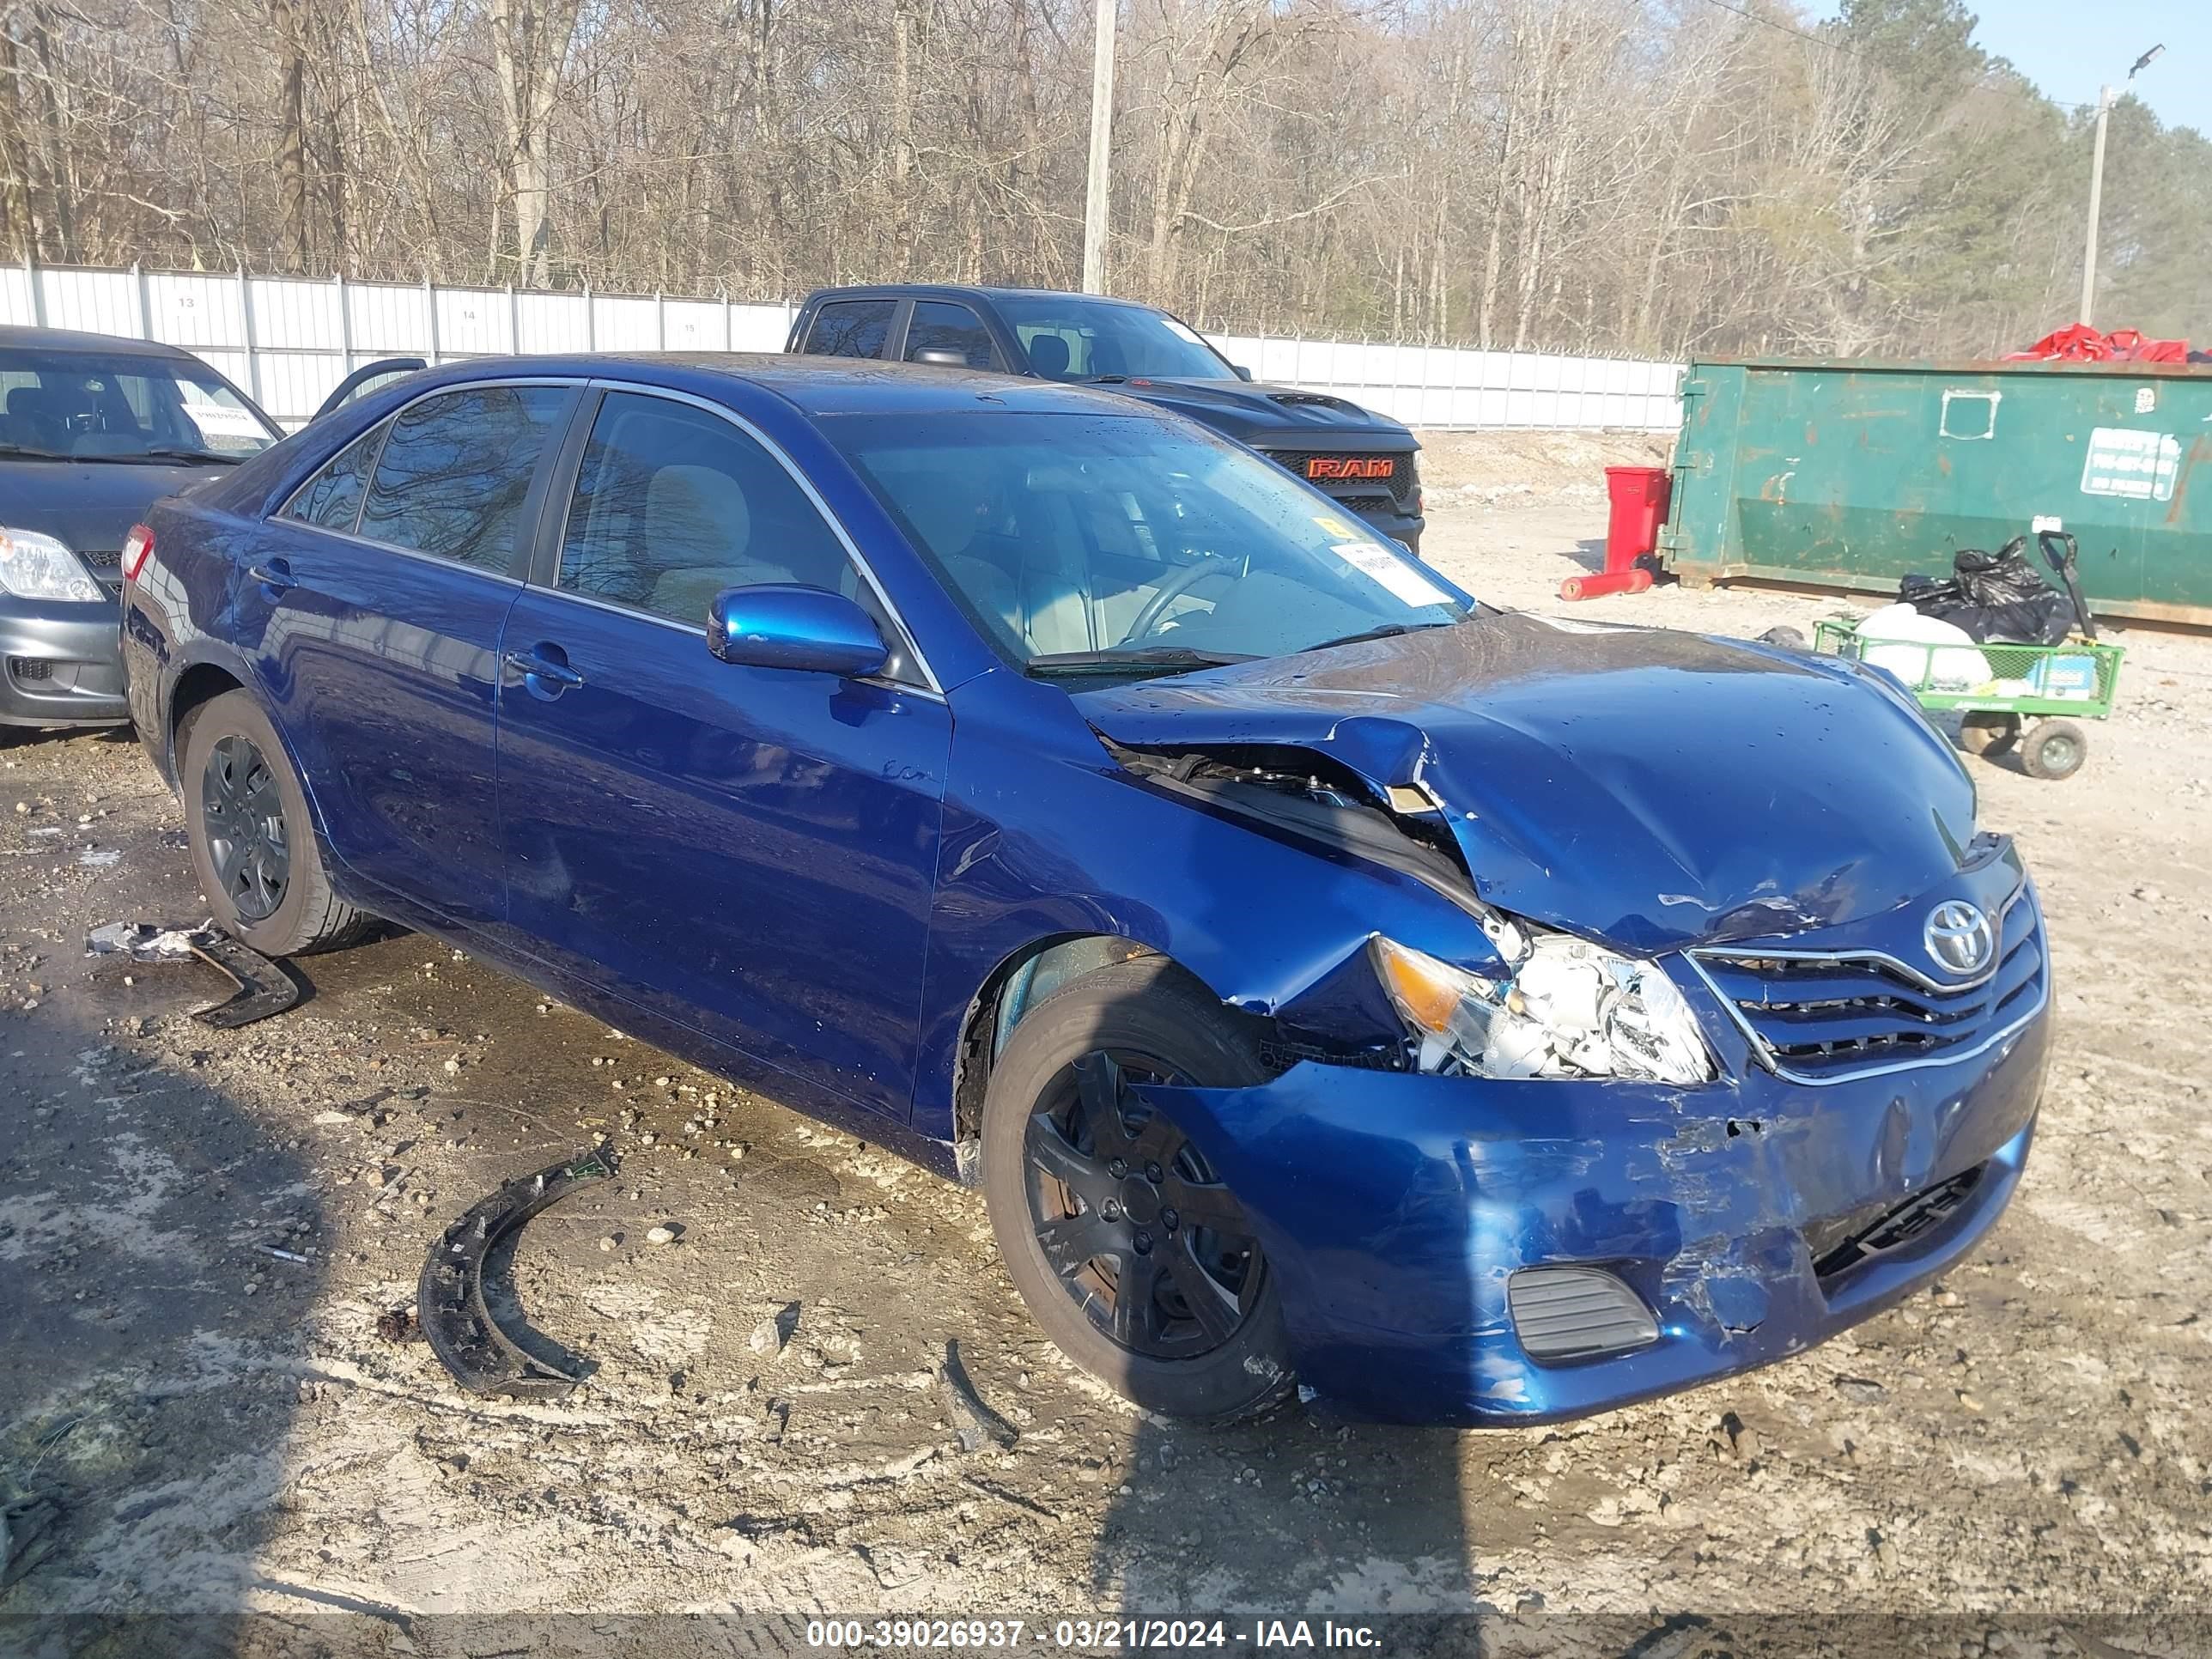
x=1019, y=983
x=200, y=682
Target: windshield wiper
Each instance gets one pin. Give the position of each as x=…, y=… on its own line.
x=175, y=452
x=1173, y=658
x=25, y=452
x=1387, y=630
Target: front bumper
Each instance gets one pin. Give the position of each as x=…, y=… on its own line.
x=60, y=665
x=1393, y=1208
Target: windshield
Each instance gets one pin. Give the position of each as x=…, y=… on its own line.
x=1070, y=338
x=122, y=406
x=1082, y=541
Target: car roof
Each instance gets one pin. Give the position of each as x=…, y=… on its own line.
x=815, y=386
x=16, y=337
x=967, y=290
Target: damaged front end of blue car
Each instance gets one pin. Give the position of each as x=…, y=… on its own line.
x=1744, y=1053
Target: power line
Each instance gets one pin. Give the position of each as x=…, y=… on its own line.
x=1788, y=28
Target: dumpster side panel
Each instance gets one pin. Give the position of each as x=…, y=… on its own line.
x=1852, y=474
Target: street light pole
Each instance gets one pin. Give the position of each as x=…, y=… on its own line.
x=2097, y=183
x=1102, y=124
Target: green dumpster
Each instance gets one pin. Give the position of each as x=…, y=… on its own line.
x=1850, y=474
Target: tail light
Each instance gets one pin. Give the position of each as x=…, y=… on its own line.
x=137, y=546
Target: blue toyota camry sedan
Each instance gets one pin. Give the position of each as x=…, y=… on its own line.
x=1330, y=980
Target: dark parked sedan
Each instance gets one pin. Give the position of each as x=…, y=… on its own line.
x=1466, y=1016
x=92, y=431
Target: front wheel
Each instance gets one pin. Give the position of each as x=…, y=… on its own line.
x=1130, y=1250
x=252, y=843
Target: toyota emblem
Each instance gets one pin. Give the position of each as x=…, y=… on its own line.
x=1959, y=936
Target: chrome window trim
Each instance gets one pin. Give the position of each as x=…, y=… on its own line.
x=387, y=423
x=931, y=683
x=1763, y=1051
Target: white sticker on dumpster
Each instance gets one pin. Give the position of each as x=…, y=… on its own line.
x=2140, y=466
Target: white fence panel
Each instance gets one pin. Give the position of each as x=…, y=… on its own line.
x=290, y=340
x=554, y=322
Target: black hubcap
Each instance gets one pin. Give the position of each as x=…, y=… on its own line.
x=1151, y=1246
x=245, y=821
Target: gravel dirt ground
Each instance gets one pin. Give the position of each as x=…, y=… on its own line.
x=2027, y=1444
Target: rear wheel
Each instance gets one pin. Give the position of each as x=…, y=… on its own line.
x=1131, y=1252
x=252, y=843
x=1982, y=733
x=2053, y=750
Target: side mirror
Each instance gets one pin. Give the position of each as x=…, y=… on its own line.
x=1242, y=373
x=941, y=357
x=784, y=625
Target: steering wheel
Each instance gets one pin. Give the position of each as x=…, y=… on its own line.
x=1174, y=588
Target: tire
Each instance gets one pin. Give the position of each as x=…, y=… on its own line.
x=229, y=747
x=2053, y=750
x=1987, y=734
x=1217, y=1359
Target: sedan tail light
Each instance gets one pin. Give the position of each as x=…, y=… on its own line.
x=135, y=547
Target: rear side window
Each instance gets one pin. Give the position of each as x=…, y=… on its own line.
x=331, y=498
x=851, y=328
x=939, y=326
x=454, y=474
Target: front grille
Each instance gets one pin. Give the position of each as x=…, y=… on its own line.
x=1917, y=1216
x=1398, y=492
x=107, y=569
x=1816, y=1017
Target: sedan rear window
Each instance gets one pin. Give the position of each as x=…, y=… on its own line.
x=123, y=406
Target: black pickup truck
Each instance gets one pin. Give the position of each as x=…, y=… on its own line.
x=1365, y=461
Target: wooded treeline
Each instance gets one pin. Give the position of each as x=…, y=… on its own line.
x=1648, y=176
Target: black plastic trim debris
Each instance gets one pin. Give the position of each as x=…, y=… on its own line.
x=260, y=987
x=449, y=1299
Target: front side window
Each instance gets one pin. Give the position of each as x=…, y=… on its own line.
x=123, y=407
x=331, y=499
x=940, y=327
x=456, y=469
x=673, y=504
x=1126, y=540
x=851, y=328
x=1069, y=337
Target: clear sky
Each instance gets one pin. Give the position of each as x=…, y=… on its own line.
x=2068, y=49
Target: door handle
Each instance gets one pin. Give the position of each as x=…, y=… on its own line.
x=544, y=668
x=275, y=575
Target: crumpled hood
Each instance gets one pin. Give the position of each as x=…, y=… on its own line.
x=1278, y=412
x=1643, y=786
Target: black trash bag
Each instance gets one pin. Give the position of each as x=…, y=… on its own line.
x=1993, y=596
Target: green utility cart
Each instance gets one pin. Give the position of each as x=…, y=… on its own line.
x=1850, y=474
x=1996, y=686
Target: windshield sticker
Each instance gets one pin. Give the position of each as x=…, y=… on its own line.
x=2136, y=465
x=1399, y=579
x=1182, y=331
x=1332, y=527
x=220, y=420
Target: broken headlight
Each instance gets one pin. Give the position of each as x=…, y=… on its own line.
x=1565, y=1008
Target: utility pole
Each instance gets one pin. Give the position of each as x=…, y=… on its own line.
x=1094, y=195
x=2096, y=201
x=2097, y=185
